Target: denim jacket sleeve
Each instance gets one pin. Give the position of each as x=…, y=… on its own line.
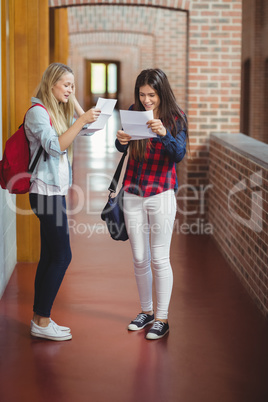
x=38, y=129
x=120, y=147
x=175, y=147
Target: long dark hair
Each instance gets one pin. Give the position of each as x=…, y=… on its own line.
x=169, y=111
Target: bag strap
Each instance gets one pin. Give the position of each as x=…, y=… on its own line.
x=114, y=182
x=36, y=159
x=40, y=150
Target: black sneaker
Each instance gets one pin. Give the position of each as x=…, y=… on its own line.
x=158, y=330
x=141, y=321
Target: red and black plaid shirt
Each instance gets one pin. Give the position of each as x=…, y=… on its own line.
x=157, y=172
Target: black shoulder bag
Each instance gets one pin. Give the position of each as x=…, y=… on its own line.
x=112, y=213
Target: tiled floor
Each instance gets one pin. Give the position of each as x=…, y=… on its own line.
x=217, y=348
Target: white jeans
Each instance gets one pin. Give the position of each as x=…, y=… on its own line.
x=151, y=217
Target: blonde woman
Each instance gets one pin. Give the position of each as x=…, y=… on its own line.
x=50, y=181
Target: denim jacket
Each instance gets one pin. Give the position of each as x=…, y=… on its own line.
x=39, y=132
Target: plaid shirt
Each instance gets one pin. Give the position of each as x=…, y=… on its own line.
x=157, y=172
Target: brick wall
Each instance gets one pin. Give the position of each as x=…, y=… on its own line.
x=128, y=49
x=131, y=35
x=213, y=84
x=238, y=209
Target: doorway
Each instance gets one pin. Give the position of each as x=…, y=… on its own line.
x=102, y=80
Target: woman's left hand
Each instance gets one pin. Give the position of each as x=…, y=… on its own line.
x=157, y=127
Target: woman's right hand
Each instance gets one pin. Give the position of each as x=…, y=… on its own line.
x=87, y=117
x=91, y=115
x=123, y=137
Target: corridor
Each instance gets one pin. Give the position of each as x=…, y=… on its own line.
x=217, y=348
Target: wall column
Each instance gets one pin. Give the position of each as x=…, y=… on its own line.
x=31, y=58
x=59, y=35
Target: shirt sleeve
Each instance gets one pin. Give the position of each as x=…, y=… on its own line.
x=175, y=147
x=120, y=147
x=37, y=125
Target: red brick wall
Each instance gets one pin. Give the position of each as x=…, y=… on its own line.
x=131, y=35
x=104, y=47
x=238, y=209
x=213, y=83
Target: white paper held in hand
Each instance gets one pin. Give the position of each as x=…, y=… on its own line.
x=107, y=107
x=134, y=124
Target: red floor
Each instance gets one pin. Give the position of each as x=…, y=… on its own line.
x=217, y=348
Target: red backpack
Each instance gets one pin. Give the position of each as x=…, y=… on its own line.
x=15, y=173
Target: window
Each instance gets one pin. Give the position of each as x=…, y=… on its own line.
x=245, y=120
x=102, y=80
x=112, y=78
x=98, y=78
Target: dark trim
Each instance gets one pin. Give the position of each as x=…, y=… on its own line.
x=122, y=4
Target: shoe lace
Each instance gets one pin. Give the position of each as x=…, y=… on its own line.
x=158, y=325
x=141, y=317
x=54, y=325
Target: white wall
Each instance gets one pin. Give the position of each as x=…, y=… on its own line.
x=8, y=245
x=8, y=248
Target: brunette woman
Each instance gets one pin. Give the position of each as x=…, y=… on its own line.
x=149, y=184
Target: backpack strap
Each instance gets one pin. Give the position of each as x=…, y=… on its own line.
x=40, y=150
x=36, y=159
x=38, y=104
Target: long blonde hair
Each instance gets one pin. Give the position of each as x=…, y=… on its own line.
x=61, y=114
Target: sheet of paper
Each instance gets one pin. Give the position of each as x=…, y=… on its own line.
x=134, y=123
x=107, y=107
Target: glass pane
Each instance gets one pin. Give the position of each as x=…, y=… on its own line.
x=98, y=78
x=112, y=78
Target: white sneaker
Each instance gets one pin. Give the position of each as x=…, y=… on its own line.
x=60, y=327
x=50, y=332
